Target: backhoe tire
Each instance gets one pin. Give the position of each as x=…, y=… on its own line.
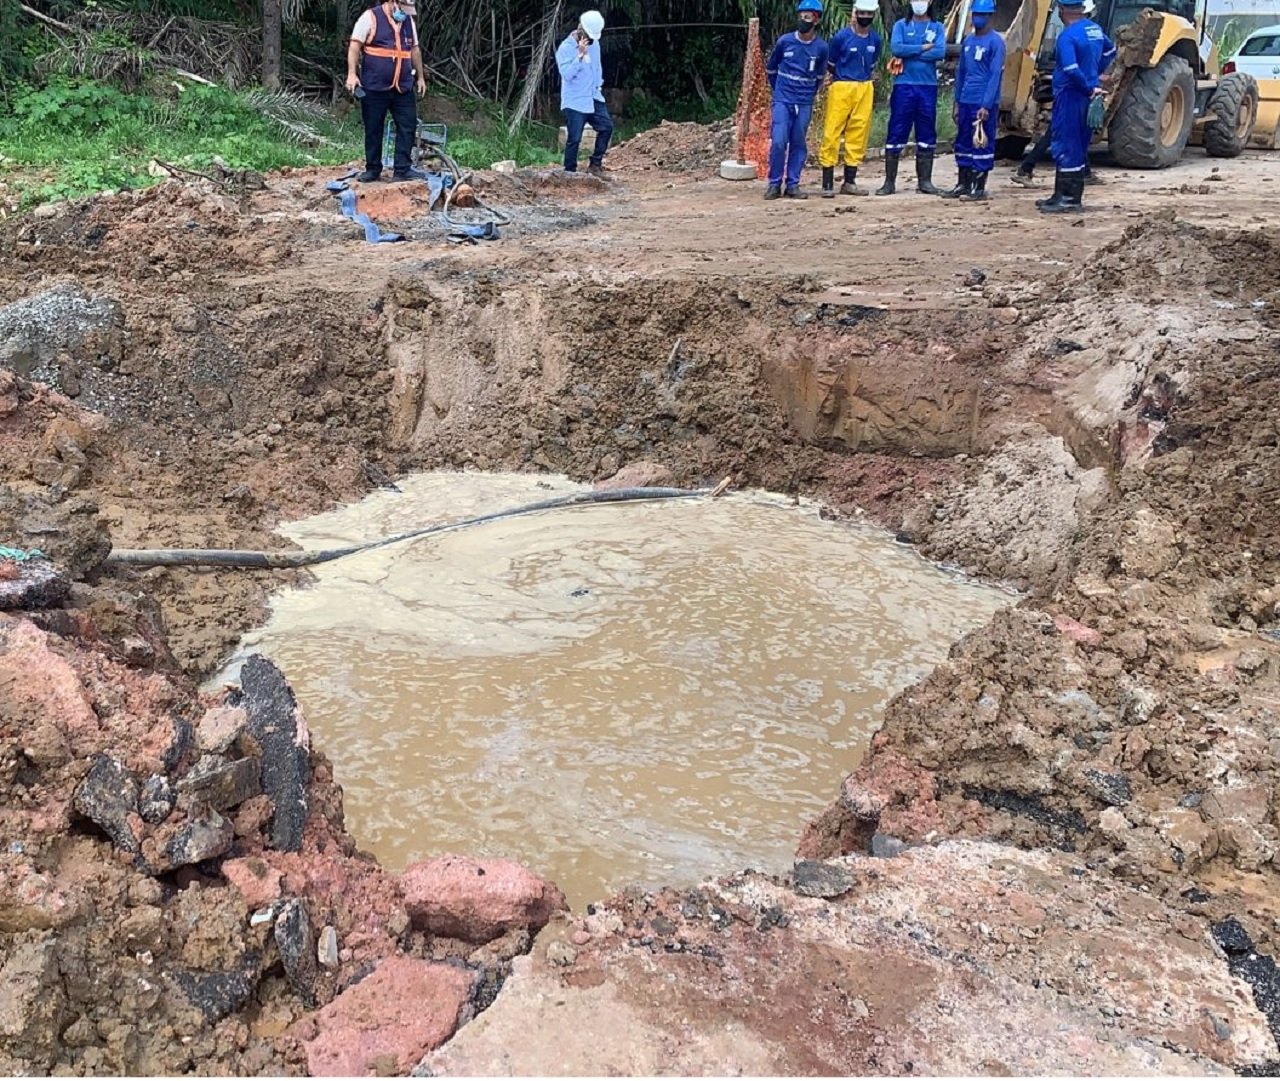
x=1153, y=122
x=1234, y=106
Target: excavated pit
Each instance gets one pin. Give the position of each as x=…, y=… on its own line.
x=627, y=695
x=1086, y=787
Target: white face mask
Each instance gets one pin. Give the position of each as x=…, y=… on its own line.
x=919, y=7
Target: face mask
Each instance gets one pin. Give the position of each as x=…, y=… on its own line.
x=919, y=7
x=980, y=21
x=866, y=20
x=804, y=26
x=398, y=15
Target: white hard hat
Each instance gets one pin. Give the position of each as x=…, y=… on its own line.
x=593, y=23
x=866, y=6
x=1089, y=7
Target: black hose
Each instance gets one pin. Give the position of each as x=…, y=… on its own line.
x=234, y=557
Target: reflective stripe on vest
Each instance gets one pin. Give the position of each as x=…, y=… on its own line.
x=385, y=53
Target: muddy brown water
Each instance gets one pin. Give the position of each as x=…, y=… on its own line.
x=614, y=695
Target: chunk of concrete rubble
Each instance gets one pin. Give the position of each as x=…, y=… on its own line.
x=1111, y=787
x=220, y=784
x=985, y=948
x=814, y=878
x=197, y=841
x=292, y=933
x=276, y=724
x=477, y=900
x=885, y=846
x=219, y=728
x=400, y=1011
x=157, y=799
x=31, y=584
x=108, y=796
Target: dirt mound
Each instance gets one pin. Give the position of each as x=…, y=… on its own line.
x=677, y=148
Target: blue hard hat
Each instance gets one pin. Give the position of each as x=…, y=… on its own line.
x=814, y=5
x=984, y=7
x=1071, y=3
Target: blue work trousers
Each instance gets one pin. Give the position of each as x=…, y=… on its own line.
x=912, y=106
x=601, y=123
x=967, y=155
x=787, y=149
x=1070, y=128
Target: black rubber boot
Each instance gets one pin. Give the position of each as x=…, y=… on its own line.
x=1072, y=198
x=977, y=192
x=773, y=191
x=369, y=176
x=890, y=175
x=1054, y=199
x=794, y=192
x=964, y=184
x=850, y=185
x=828, y=181
x=924, y=173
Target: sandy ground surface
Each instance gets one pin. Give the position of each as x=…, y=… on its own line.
x=1071, y=825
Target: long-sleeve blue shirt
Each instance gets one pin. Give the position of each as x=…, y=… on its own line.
x=796, y=69
x=581, y=78
x=1081, y=54
x=980, y=71
x=852, y=57
x=919, y=45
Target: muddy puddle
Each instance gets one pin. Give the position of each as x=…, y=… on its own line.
x=614, y=695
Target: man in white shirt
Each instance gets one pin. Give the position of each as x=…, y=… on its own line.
x=384, y=68
x=582, y=92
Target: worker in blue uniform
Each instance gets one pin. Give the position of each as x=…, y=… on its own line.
x=795, y=68
x=1081, y=54
x=977, y=104
x=916, y=46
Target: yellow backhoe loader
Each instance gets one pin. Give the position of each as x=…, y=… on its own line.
x=1166, y=87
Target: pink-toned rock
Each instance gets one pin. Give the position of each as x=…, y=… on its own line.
x=219, y=728
x=477, y=900
x=642, y=474
x=402, y=1010
x=1077, y=631
x=257, y=881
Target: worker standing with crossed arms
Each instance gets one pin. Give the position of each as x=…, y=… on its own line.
x=917, y=45
x=384, y=63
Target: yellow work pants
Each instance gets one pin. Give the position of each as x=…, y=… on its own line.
x=848, y=116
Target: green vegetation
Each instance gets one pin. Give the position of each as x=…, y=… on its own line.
x=73, y=137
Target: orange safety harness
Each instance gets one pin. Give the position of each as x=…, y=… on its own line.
x=398, y=52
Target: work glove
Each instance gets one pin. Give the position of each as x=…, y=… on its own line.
x=1097, y=112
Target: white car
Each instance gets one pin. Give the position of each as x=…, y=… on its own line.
x=1259, y=56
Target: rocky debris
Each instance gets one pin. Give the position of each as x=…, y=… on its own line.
x=327, y=947
x=70, y=533
x=108, y=797
x=220, y=783
x=1258, y=970
x=813, y=878
x=33, y=1006
x=297, y=950
x=257, y=881
x=31, y=583
x=157, y=799
x=1113, y=789
x=196, y=841
x=37, y=331
x=477, y=900
x=676, y=148
x=962, y=956
x=219, y=994
x=886, y=847
x=385, y=1023
x=275, y=723
x=219, y=729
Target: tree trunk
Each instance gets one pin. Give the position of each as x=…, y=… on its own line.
x=271, y=35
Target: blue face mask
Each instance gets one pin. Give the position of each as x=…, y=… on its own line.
x=398, y=15
x=980, y=21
